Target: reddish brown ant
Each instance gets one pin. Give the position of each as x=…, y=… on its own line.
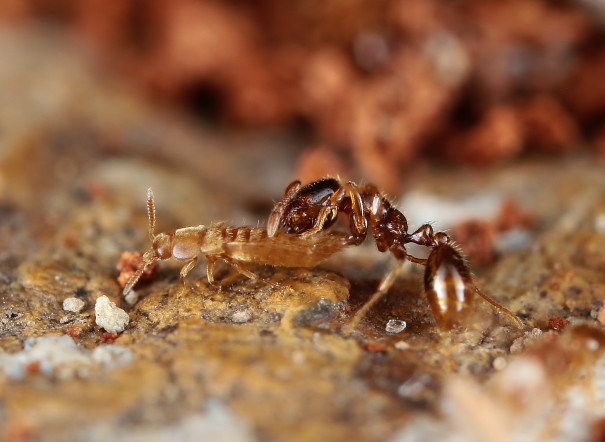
x=235, y=245
x=448, y=283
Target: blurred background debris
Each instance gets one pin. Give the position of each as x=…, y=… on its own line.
x=378, y=84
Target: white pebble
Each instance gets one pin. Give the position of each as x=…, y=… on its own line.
x=109, y=316
x=112, y=356
x=73, y=305
x=395, y=326
x=132, y=297
x=241, y=316
x=402, y=345
x=500, y=363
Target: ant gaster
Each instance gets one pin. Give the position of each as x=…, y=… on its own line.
x=237, y=246
x=448, y=283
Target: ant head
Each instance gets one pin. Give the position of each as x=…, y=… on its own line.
x=303, y=208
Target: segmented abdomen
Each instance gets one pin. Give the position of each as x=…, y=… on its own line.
x=448, y=284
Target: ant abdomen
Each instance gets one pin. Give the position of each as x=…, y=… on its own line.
x=448, y=285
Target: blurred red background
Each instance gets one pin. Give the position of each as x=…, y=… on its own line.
x=373, y=85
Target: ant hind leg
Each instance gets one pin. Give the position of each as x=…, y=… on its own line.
x=383, y=288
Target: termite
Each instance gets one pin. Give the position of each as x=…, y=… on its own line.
x=238, y=246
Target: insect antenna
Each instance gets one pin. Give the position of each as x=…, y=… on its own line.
x=151, y=214
x=135, y=277
x=150, y=256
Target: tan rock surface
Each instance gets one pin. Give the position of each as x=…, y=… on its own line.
x=254, y=362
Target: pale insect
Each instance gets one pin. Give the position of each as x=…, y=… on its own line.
x=237, y=246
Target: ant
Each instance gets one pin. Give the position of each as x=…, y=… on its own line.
x=448, y=282
x=235, y=245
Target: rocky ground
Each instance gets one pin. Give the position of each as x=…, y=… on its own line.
x=252, y=361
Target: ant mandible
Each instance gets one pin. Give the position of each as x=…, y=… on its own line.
x=448, y=283
x=237, y=246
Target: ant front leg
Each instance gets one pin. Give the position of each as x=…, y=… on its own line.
x=277, y=213
x=347, y=198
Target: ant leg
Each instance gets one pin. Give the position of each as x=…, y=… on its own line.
x=186, y=269
x=237, y=265
x=500, y=307
x=358, y=219
x=278, y=210
x=421, y=261
x=383, y=288
x=324, y=213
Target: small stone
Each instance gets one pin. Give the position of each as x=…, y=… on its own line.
x=132, y=297
x=558, y=323
x=241, y=316
x=500, y=363
x=73, y=305
x=535, y=332
x=112, y=356
x=521, y=343
x=395, y=326
x=402, y=345
x=109, y=316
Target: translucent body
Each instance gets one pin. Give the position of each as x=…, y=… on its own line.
x=236, y=245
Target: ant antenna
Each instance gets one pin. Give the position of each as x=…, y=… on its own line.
x=500, y=307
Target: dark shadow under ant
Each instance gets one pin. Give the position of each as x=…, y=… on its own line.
x=448, y=282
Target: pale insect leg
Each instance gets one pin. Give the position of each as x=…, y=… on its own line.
x=239, y=266
x=210, y=272
x=187, y=268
